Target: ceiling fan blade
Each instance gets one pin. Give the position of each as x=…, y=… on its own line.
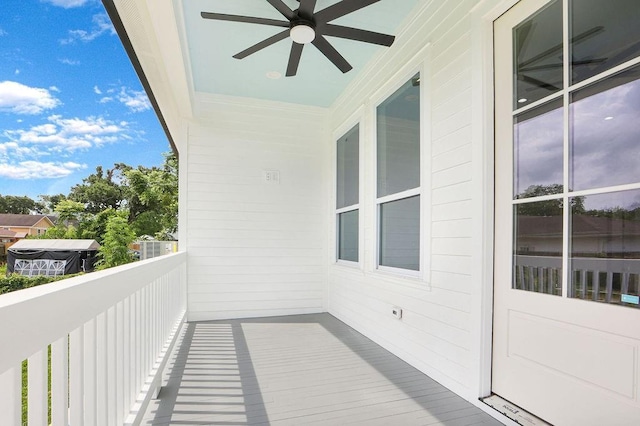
x=282, y=8
x=575, y=40
x=331, y=53
x=294, y=59
x=523, y=37
x=246, y=19
x=357, y=34
x=264, y=43
x=574, y=63
x=537, y=82
x=341, y=8
x=306, y=8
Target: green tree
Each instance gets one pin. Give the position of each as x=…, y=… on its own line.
x=49, y=202
x=94, y=226
x=547, y=207
x=114, y=250
x=18, y=205
x=101, y=190
x=153, y=198
x=69, y=211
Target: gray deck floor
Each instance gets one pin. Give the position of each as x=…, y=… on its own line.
x=298, y=370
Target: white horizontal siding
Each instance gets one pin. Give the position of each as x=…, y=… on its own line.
x=256, y=248
x=435, y=333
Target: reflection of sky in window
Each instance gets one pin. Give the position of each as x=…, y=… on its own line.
x=538, y=150
x=627, y=200
x=606, y=138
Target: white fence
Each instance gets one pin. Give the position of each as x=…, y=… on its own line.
x=110, y=334
x=599, y=279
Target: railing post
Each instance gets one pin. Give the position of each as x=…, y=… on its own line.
x=76, y=376
x=37, y=390
x=60, y=381
x=11, y=391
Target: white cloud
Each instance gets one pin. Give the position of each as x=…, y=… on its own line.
x=3, y=32
x=136, y=101
x=54, y=89
x=69, y=134
x=16, y=72
x=68, y=61
x=97, y=90
x=67, y=4
x=38, y=170
x=15, y=151
x=20, y=99
x=101, y=25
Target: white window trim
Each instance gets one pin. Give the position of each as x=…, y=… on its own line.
x=356, y=119
x=417, y=65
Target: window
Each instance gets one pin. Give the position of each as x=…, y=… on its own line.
x=575, y=177
x=398, y=178
x=348, y=195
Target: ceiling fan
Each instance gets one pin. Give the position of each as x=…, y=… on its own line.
x=304, y=26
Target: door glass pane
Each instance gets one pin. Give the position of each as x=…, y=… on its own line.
x=398, y=140
x=348, y=236
x=537, y=247
x=603, y=34
x=538, y=55
x=605, y=132
x=538, y=151
x=400, y=234
x=605, y=248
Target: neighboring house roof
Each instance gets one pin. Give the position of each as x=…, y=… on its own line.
x=52, y=245
x=22, y=220
x=6, y=233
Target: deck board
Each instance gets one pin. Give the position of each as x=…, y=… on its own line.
x=298, y=370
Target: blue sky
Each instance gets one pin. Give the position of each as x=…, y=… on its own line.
x=69, y=98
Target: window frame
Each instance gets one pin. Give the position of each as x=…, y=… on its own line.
x=392, y=86
x=355, y=120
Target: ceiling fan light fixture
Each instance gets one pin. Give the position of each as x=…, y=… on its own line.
x=302, y=34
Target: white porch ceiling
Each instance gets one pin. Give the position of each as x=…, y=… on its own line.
x=210, y=44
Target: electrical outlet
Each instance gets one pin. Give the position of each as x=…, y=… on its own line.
x=272, y=176
x=396, y=312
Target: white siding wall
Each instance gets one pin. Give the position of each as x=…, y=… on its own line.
x=437, y=332
x=255, y=248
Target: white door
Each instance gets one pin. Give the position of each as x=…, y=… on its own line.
x=567, y=242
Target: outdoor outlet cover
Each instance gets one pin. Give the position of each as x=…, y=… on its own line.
x=396, y=312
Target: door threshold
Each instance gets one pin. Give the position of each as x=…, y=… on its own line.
x=512, y=411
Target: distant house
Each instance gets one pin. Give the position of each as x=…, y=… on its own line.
x=27, y=224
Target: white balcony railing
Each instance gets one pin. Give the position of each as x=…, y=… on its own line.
x=110, y=334
x=600, y=279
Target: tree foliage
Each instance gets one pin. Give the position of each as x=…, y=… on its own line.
x=111, y=206
x=18, y=205
x=551, y=207
x=114, y=250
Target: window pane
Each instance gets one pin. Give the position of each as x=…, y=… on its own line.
x=604, y=34
x=398, y=120
x=538, y=151
x=537, y=247
x=605, y=248
x=605, y=132
x=348, y=169
x=538, y=55
x=348, y=235
x=400, y=234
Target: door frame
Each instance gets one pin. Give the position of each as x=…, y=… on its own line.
x=483, y=16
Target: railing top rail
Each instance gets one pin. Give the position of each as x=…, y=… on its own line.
x=32, y=318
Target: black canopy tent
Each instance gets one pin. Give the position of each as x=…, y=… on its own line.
x=52, y=257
